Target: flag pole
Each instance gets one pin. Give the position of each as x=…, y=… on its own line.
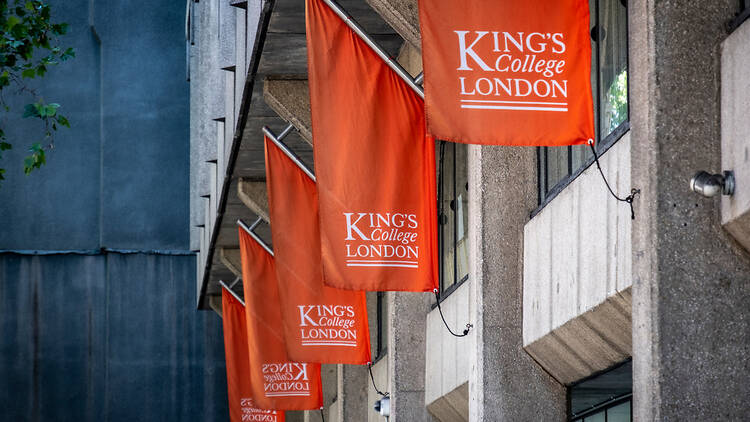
x=229, y=289
x=288, y=152
x=252, y=234
x=351, y=23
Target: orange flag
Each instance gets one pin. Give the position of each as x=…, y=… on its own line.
x=322, y=324
x=241, y=406
x=507, y=72
x=277, y=382
x=374, y=164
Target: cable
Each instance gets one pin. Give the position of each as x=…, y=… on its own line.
x=322, y=415
x=369, y=368
x=468, y=326
x=633, y=192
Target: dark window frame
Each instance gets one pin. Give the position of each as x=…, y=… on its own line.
x=444, y=292
x=740, y=17
x=602, y=145
x=381, y=325
x=604, y=407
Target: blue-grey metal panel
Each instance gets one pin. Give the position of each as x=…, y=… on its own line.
x=111, y=337
x=57, y=207
x=119, y=177
x=145, y=121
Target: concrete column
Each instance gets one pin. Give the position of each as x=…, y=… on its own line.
x=505, y=384
x=406, y=355
x=351, y=403
x=691, y=282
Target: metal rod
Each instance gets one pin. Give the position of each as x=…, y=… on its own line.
x=400, y=71
x=229, y=289
x=234, y=283
x=419, y=79
x=252, y=234
x=289, y=153
x=285, y=132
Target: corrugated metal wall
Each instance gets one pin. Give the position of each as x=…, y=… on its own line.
x=111, y=337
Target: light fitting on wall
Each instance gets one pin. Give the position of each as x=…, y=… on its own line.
x=708, y=185
x=383, y=406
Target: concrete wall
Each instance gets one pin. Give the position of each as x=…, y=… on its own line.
x=92, y=335
x=110, y=337
x=447, y=359
x=691, y=281
x=577, y=255
x=735, y=132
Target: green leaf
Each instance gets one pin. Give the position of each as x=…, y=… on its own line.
x=30, y=110
x=29, y=6
x=28, y=73
x=63, y=120
x=4, y=146
x=12, y=22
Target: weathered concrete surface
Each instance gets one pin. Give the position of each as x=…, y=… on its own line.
x=108, y=337
x=410, y=58
x=289, y=97
x=401, y=15
x=406, y=355
x=591, y=342
x=691, y=281
x=232, y=259
x=381, y=374
x=453, y=406
x=504, y=378
x=577, y=256
x=447, y=358
x=255, y=196
x=735, y=132
x=351, y=399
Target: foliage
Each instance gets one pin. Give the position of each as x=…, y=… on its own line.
x=617, y=97
x=28, y=48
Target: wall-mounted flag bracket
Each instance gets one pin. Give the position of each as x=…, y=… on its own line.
x=249, y=230
x=229, y=289
x=277, y=140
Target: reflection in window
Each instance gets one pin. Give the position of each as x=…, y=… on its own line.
x=607, y=397
x=453, y=218
x=609, y=82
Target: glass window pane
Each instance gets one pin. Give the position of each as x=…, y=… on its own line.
x=613, y=64
x=462, y=211
x=447, y=212
x=619, y=413
x=557, y=165
x=597, y=417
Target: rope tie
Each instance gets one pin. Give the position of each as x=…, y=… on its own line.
x=369, y=368
x=468, y=326
x=633, y=192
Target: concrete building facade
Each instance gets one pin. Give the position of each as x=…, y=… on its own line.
x=579, y=311
x=97, y=319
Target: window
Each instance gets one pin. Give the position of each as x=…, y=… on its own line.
x=740, y=17
x=381, y=336
x=453, y=218
x=607, y=397
x=557, y=166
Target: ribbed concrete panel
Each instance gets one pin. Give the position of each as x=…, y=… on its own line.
x=447, y=358
x=107, y=338
x=577, y=256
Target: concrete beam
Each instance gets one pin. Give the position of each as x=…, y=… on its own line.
x=401, y=15
x=690, y=278
x=589, y=343
x=254, y=195
x=289, y=97
x=231, y=259
x=410, y=58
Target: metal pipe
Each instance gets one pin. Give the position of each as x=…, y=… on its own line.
x=229, y=289
x=289, y=153
x=400, y=71
x=285, y=132
x=419, y=79
x=234, y=283
x=252, y=234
